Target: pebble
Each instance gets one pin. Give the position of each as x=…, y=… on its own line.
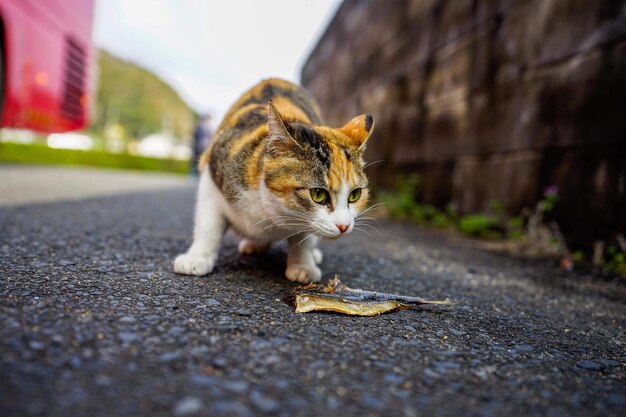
x=170, y=356
x=127, y=319
x=199, y=350
x=393, y=378
x=188, y=406
x=37, y=346
x=370, y=402
x=103, y=380
x=263, y=402
x=128, y=337
x=451, y=353
x=443, y=366
x=332, y=329
x=175, y=331
x=225, y=408
x=523, y=348
x=590, y=365
x=219, y=362
x=243, y=312
x=75, y=362
x=211, y=302
x=609, y=362
x=205, y=380
x=238, y=387
x=617, y=401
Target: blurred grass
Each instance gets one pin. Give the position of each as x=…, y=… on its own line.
x=41, y=154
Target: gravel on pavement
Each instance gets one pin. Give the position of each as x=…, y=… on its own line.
x=94, y=323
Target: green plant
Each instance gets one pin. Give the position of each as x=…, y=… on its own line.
x=440, y=218
x=578, y=256
x=480, y=225
x=496, y=207
x=402, y=204
x=452, y=214
x=550, y=197
x=402, y=201
x=615, y=260
x=515, y=228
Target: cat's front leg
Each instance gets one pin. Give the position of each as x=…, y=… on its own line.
x=249, y=246
x=318, y=256
x=210, y=225
x=301, y=259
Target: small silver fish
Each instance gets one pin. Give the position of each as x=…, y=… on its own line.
x=338, y=298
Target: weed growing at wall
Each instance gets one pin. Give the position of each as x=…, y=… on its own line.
x=532, y=233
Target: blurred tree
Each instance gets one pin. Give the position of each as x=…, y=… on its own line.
x=138, y=101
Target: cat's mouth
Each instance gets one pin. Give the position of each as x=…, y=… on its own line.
x=332, y=237
x=337, y=235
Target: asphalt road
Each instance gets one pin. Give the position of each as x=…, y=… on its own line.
x=94, y=323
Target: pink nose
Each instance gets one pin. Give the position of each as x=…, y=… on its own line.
x=342, y=227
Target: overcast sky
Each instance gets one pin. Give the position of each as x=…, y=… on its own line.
x=211, y=51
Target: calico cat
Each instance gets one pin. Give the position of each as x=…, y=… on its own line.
x=274, y=172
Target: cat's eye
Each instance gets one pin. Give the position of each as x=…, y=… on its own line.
x=354, y=195
x=319, y=195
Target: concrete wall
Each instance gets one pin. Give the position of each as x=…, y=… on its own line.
x=487, y=99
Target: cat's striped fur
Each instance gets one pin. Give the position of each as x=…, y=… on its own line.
x=268, y=153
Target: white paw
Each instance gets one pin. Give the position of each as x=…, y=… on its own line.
x=303, y=273
x=247, y=247
x=317, y=256
x=188, y=264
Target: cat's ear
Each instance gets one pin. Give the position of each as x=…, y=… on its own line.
x=359, y=130
x=277, y=130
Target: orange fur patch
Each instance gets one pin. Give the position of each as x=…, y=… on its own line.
x=289, y=112
x=245, y=139
x=242, y=112
x=254, y=92
x=252, y=168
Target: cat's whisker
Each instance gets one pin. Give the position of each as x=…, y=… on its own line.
x=298, y=216
x=278, y=219
x=281, y=208
x=272, y=219
x=368, y=225
x=364, y=222
x=371, y=222
x=373, y=163
x=362, y=230
x=368, y=218
x=281, y=225
x=305, y=238
x=283, y=211
x=303, y=230
x=373, y=206
x=290, y=219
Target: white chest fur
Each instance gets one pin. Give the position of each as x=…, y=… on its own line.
x=248, y=215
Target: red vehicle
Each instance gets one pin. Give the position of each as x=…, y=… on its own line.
x=46, y=64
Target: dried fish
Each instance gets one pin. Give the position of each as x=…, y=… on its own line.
x=338, y=298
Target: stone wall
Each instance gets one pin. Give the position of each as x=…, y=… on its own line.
x=487, y=99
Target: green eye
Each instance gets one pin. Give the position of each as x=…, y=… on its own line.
x=319, y=195
x=354, y=195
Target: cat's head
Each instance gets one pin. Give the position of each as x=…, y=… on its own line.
x=314, y=175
